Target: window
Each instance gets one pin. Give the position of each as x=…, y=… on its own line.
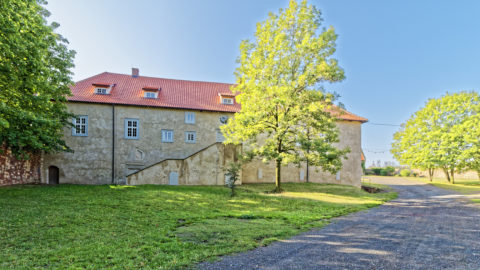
x=228, y=101
x=167, y=135
x=150, y=95
x=190, y=137
x=101, y=90
x=190, y=117
x=131, y=128
x=80, y=124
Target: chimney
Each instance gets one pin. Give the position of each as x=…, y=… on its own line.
x=135, y=72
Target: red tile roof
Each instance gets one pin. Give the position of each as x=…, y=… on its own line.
x=180, y=94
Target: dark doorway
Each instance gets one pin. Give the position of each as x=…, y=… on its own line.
x=53, y=175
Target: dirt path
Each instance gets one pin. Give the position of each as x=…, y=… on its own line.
x=424, y=228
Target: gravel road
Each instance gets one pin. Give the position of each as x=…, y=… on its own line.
x=424, y=228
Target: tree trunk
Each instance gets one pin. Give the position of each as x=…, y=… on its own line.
x=278, y=177
x=308, y=174
x=452, y=171
x=445, y=170
x=430, y=173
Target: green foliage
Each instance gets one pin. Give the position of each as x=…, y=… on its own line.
x=444, y=134
x=286, y=115
x=34, y=79
x=233, y=171
x=405, y=172
x=158, y=227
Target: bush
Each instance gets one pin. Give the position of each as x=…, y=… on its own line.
x=405, y=172
x=383, y=172
x=376, y=171
x=390, y=170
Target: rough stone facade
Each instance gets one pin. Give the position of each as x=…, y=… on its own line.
x=15, y=171
x=92, y=163
x=350, y=174
x=199, y=163
x=206, y=167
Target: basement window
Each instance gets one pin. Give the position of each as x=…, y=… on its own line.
x=80, y=126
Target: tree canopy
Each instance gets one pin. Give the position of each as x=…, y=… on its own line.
x=35, y=76
x=443, y=134
x=286, y=113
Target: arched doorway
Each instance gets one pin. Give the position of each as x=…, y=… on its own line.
x=53, y=175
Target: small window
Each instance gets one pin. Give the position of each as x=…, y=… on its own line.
x=131, y=128
x=228, y=101
x=101, y=90
x=167, y=135
x=189, y=117
x=190, y=137
x=80, y=126
x=150, y=95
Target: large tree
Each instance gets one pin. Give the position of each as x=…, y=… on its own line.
x=286, y=114
x=35, y=74
x=443, y=134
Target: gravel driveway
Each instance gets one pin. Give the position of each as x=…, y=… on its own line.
x=424, y=228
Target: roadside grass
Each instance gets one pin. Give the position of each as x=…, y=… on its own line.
x=161, y=227
x=464, y=186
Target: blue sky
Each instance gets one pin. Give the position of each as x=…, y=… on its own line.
x=396, y=54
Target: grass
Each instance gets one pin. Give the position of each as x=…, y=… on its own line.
x=464, y=186
x=161, y=227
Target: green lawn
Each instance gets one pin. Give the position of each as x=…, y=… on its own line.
x=70, y=226
x=461, y=185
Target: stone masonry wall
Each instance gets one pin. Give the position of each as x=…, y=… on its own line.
x=14, y=171
x=91, y=161
x=350, y=174
x=207, y=167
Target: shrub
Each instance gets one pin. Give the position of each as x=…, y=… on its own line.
x=390, y=170
x=405, y=172
x=376, y=171
x=383, y=172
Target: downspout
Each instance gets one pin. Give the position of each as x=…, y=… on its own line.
x=113, y=143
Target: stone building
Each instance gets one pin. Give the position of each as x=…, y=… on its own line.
x=133, y=129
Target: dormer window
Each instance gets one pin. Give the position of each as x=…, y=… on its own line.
x=227, y=99
x=150, y=95
x=103, y=88
x=151, y=91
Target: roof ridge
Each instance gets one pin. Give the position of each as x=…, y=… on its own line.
x=139, y=76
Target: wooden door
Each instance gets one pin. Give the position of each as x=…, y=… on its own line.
x=53, y=175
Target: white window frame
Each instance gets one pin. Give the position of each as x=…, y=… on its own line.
x=189, y=117
x=227, y=101
x=101, y=91
x=150, y=95
x=187, y=134
x=80, y=125
x=135, y=128
x=167, y=135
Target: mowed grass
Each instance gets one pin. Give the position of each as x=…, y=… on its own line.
x=465, y=186
x=158, y=227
